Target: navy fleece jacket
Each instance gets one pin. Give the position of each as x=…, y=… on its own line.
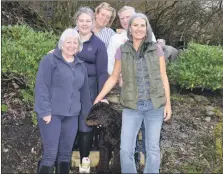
x=61, y=87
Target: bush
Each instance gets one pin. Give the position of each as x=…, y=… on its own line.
x=22, y=50
x=199, y=66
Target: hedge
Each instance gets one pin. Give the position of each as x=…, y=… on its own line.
x=22, y=50
x=199, y=66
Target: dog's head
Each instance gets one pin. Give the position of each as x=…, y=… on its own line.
x=102, y=114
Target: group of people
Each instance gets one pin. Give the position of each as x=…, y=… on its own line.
x=76, y=75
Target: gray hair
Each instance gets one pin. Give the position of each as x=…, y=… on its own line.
x=126, y=8
x=68, y=33
x=86, y=10
x=148, y=37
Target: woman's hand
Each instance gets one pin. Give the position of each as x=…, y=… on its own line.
x=96, y=101
x=47, y=119
x=167, y=112
x=105, y=101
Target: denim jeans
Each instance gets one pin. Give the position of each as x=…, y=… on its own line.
x=131, y=123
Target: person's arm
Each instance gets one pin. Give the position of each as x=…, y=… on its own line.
x=111, y=82
x=42, y=88
x=101, y=66
x=167, y=109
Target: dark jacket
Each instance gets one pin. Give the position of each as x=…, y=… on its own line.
x=94, y=55
x=61, y=88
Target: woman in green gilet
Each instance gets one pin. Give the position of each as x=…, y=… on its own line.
x=145, y=94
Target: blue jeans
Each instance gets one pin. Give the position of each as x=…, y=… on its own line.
x=131, y=123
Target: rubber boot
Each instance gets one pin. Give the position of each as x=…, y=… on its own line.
x=38, y=165
x=62, y=168
x=46, y=170
x=85, y=143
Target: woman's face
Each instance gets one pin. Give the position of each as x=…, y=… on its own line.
x=103, y=17
x=84, y=24
x=70, y=46
x=138, y=29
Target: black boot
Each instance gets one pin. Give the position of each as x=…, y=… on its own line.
x=85, y=143
x=38, y=165
x=46, y=170
x=62, y=168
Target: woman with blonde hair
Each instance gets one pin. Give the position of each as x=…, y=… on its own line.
x=104, y=17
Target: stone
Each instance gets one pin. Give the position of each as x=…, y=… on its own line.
x=208, y=119
x=210, y=113
x=209, y=108
x=5, y=150
x=15, y=85
x=200, y=99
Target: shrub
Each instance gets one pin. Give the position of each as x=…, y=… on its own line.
x=199, y=66
x=22, y=50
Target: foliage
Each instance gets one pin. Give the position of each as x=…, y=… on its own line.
x=199, y=66
x=22, y=50
x=4, y=107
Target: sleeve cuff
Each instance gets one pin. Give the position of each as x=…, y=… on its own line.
x=44, y=114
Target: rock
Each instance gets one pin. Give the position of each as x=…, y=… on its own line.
x=113, y=99
x=33, y=150
x=210, y=113
x=209, y=108
x=5, y=150
x=200, y=99
x=9, y=117
x=208, y=119
x=15, y=85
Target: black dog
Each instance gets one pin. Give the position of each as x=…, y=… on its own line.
x=109, y=120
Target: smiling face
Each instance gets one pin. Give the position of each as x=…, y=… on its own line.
x=70, y=46
x=84, y=23
x=103, y=17
x=124, y=18
x=138, y=29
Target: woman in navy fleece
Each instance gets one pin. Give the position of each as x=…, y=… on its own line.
x=61, y=95
x=95, y=58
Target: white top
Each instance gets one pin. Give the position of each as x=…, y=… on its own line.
x=105, y=35
x=115, y=42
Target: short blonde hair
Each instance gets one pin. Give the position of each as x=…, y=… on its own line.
x=68, y=33
x=106, y=6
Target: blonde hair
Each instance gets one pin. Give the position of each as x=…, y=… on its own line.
x=106, y=6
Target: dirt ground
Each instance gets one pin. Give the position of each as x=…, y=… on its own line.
x=187, y=145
